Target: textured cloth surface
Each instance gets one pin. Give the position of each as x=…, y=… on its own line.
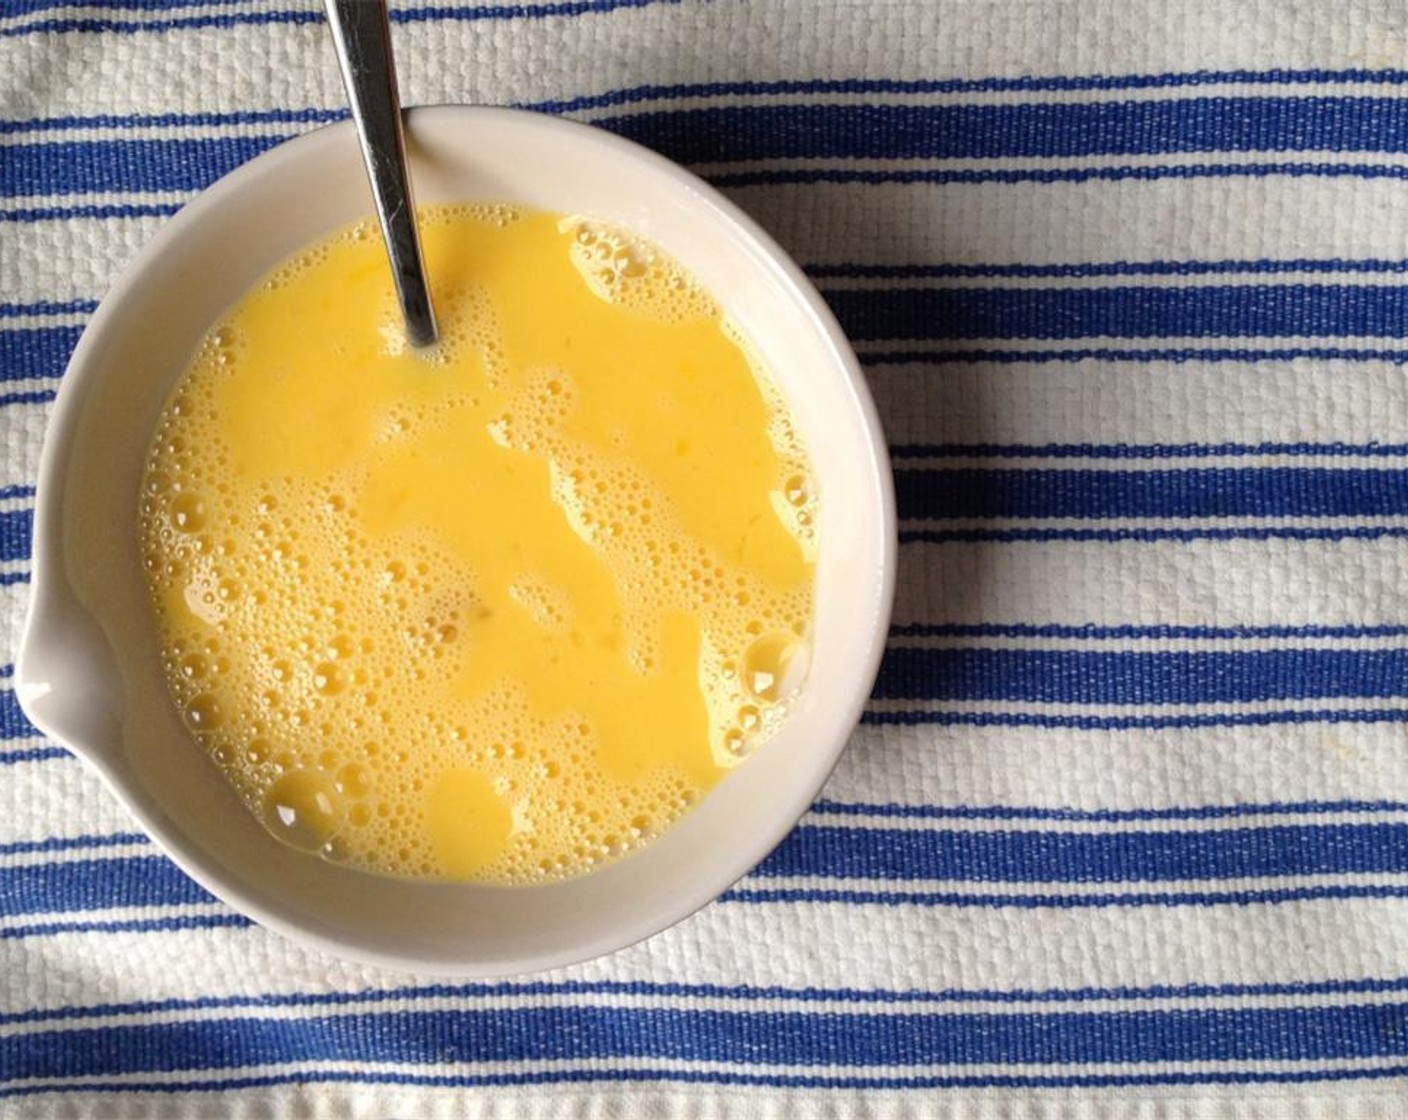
x=1125, y=831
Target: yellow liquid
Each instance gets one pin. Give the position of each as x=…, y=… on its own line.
x=501, y=611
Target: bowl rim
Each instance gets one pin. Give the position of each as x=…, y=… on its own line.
x=48, y=563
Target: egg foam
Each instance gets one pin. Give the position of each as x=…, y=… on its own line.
x=501, y=610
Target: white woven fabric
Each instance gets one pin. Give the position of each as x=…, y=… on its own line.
x=1126, y=832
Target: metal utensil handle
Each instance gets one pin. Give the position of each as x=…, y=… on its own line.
x=362, y=33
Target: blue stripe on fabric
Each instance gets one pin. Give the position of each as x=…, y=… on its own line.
x=743, y=992
x=173, y=120
x=976, y=177
x=823, y=896
x=47, y=307
x=16, y=8
x=1262, y=267
x=1046, y=856
x=14, y=725
x=70, y=843
x=16, y=533
x=565, y=1033
x=36, y=352
x=1030, y=130
x=31, y=754
x=439, y=13
x=753, y=133
x=894, y=1039
x=1140, y=355
x=1095, y=495
x=1002, y=813
x=1142, y=451
x=1059, y=314
x=167, y=924
x=791, y=895
x=99, y=166
x=1113, y=816
x=1015, y=856
x=95, y=25
x=104, y=212
x=435, y=13
x=1155, y=630
x=1139, y=677
x=42, y=396
x=1189, y=79
x=96, y=884
x=690, y=1077
x=1117, y=536
x=1136, y=723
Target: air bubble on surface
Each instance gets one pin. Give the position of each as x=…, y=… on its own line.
x=303, y=809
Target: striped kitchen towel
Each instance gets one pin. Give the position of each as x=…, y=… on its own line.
x=1125, y=830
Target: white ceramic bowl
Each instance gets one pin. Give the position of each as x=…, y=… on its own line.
x=88, y=673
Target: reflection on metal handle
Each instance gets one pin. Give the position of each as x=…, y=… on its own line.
x=362, y=32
